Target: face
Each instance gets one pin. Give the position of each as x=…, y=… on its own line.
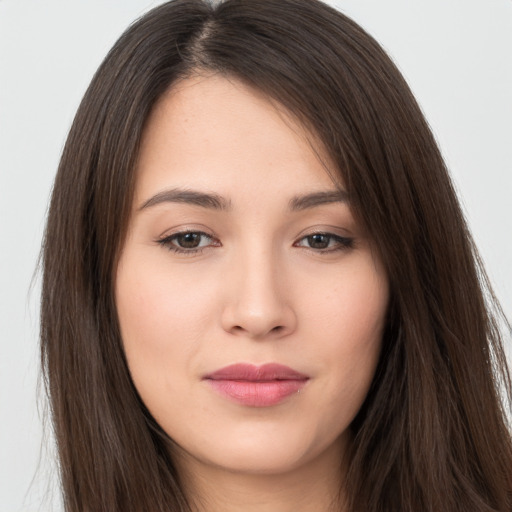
x=250, y=302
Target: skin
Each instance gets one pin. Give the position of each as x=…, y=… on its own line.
x=257, y=291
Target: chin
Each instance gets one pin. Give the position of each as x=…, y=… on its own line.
x=263, y=451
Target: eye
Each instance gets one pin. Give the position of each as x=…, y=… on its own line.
x=325, y=242
x=188, y=241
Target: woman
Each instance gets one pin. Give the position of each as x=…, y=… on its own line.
x=259, y=291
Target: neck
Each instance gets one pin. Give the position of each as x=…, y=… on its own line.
x=315, y=486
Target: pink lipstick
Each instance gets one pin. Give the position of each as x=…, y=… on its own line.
x=257, y=386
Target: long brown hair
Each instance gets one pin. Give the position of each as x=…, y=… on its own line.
x=432, y=434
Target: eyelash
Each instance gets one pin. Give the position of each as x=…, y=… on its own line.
x=167, y=242
x=341, y=243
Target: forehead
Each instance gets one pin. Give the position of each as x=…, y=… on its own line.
x=217, y=132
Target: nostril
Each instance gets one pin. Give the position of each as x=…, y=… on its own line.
x=275, y=330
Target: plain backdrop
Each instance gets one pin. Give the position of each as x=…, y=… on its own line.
x=455, y=54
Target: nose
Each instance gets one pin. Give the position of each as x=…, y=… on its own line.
x=259, y=304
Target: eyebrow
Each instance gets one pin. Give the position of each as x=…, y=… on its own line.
x=217, y=202
x=299, y=203
x=176, y=195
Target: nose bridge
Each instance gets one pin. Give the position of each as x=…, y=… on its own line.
x=258, y=304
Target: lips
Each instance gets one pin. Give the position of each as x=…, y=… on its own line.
x=257, y=386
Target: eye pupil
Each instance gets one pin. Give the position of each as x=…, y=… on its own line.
x=189, y=240
x=318, y=241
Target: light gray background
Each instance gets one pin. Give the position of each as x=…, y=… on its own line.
x=456, y=55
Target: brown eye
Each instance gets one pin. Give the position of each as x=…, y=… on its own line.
x=188, y=240
x=325, y=242
x=318, y=241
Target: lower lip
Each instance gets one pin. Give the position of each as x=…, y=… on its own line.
x=257, y=394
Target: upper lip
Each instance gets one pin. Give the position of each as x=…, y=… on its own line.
x=252, y=373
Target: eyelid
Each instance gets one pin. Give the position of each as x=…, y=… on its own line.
x=186, y=228
x=338, y=229
x=343, y=243
x=166, y=241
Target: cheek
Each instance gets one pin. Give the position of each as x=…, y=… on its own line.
x=156, y=305
x=350, y=320
x=161, y=325
x=349, y=305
